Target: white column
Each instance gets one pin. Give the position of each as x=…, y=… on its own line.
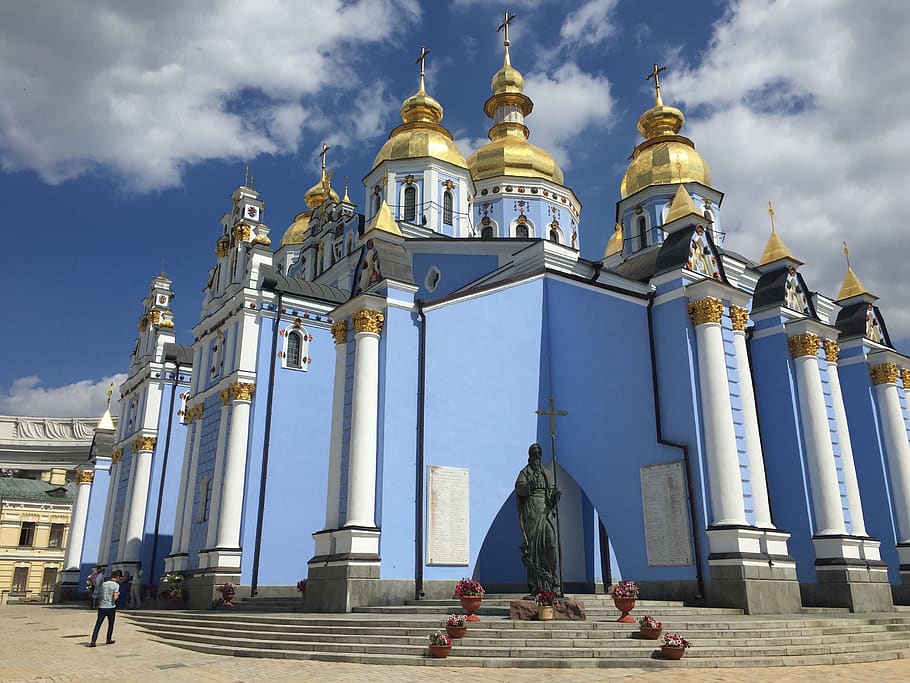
x=717, y=413
x=104, y=552
x=364, y=413
x=131, y=545
x=73, y=558
x=234, y=467
x=851, y=484
x=829, y=518
x=211, y=537
x=760, y=504
x=884, y=377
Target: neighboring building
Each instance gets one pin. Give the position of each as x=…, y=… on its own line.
x=373, y=383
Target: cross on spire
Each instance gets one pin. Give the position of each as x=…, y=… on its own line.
x=847, y=254
x=504, y=27
x=655, y=74
x=552, y=413
x=325, y=149
x=421, y=60
x=771, y=214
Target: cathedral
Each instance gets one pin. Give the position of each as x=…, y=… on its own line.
x=360, y=394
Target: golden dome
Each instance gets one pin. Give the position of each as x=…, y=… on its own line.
x=320, y=192
x=507, y=79
x=665, y=157
x=296, y=231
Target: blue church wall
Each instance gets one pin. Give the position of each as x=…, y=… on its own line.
x=782, y=445
x=870, y=460
x=456, y=271
x=396, y=496
x=208, y=444
x=94, y=525
x=301, y=420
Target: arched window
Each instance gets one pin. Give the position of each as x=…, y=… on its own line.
x=447, y=210
x=521, y=230
x=642, y=233
x=554, y=236
x=410, y=203
x=293, y=353
x=487, y=232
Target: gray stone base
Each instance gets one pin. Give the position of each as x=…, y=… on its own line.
x=754, y=588
x=860, y=589
x=341, y=587
x=567, y=610
x=199, y=588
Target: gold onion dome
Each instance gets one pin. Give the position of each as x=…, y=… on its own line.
x=508, y=153
x=314, y=197
x=665, y=157
x=420, y=133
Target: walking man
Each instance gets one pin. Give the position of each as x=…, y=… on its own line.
x=107, y=606
x=136, y=588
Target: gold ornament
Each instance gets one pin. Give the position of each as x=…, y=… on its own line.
x=154, y=317
x=340, y=331
x=707, y=310
x=225, y=396
x=832, y=349
x=199, y=410
x=222, y=248
x=143, y=323
x=740, y=317
x=905, y=377
x=243, y=391
x=806, y=344
x=368, y=320
x=117, y=455
x=145, y=443
x=262, y=239
x=884, y=373
x=85, y=477
x=241, y=233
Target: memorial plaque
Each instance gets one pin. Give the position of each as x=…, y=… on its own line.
x=448, y=521
x=666, y=515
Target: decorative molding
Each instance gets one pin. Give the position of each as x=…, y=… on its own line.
x=243, y=391
x=225, y=396
x=368, y=320
x=222, y=248
x=707, y=310
x=262, y=239
x=740, y=318
x=884, y=373
x=154, y=317
x=117, y=455
x=806, y=344
x=145, y=443
x=200, y=408
x=340, y=331
x=241, y=233
x=832, y=349
x=85, y=477
x=143, y=322
x=905, y=376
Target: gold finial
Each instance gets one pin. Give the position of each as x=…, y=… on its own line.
x=346, y=200
x=771, y=214
x=421, y=60
x=847, y=255
x=655, y=74
x=110, y=392
x=504, y=27
x=246, y=176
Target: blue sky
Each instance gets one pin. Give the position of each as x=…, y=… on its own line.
x=124, y=128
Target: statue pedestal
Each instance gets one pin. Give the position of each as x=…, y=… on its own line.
x=565, y=610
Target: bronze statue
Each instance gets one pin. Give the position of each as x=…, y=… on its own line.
x=537, y=499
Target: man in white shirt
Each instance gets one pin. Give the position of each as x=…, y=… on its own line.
x=135, y=601
x=107, y=606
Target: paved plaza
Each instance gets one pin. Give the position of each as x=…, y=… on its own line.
x=50, y=643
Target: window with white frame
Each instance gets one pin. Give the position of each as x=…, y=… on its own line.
x=410, y=203
x=295, y=354
x=448, y=210
x=641, y=232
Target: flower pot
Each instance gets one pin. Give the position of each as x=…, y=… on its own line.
x=625, y=605
x=456, y=631
x=648, y=633
x=471, y=603
x=228, y=598
x=545, y=612
x=440, y=651
x=672, y=652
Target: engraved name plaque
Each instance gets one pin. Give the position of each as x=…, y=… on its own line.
x=448, y=519
x=667, y=535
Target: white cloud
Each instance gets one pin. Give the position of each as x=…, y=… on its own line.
x=803, y=104
x=85, y=398
x=590, y=24
x=146, y=91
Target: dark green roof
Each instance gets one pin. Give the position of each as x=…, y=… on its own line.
x=14, y=488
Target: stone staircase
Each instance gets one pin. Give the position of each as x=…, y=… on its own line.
x=398, y=635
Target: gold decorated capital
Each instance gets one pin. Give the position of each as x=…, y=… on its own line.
x=368, y=320
x=143, y=322
x=832, y=349
x=225, y=396
x=154, y=317
x=739, y=316
x=707, y=310
x=905, y=377
x=198, y=410
x=117, y=455
x=85, y=477
x=222, y=248
x=241, y=233
x=806, y=344
x=340, y=331
x=884, y=373
x=145, y=443
x=243, y=391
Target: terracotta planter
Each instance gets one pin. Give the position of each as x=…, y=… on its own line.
x=456, y=631
x=625, y=605
x=440, y=651
x=545, y=612
x=228, y=598
x=650, y=633
x=471, y=603
x=672, y=652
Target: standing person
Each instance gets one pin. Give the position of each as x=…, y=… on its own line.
x=136, y=588
x=99, y=580
x=107, y=606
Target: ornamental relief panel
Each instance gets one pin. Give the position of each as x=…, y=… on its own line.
x=806, y=344
x=707, y=310
x=368, y=320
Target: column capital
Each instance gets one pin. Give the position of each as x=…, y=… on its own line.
x=368, y=320
x=707, y=310
x=117, y=455
x=340, y=332
x=884, y=373
x=740, y=318
x=222, y=248
x=905, y=376
x=832, y=349
x=243, y=391
x=225, y=397
x=806, y=344
x=145, y=443
x=85, y=477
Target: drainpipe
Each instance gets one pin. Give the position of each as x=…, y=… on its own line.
x=269, y=284
x=167, y=448
x=696, y=545
x=418, y=480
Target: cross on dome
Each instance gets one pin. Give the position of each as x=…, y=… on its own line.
x=421, y=60
x=655, y=74
x=504, y=27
